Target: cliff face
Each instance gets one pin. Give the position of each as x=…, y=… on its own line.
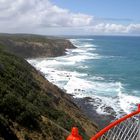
x=31, y=46
x=31, y=108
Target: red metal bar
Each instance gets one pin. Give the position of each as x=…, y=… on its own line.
x=103, y=131
x=139, y=107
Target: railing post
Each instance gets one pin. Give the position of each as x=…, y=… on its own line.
x=74, y=135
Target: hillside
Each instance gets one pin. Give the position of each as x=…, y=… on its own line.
x=32, y=108
x=31, y=46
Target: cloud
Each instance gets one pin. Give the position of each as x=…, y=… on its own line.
x=106, y=28
x=41, y=16
x=36, y=13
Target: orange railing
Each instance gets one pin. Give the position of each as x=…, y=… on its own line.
x=113, y=124
x=126, y=128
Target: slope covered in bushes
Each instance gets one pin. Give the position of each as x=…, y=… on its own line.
x=33, y=108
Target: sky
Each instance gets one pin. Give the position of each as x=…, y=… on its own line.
x=70, y=17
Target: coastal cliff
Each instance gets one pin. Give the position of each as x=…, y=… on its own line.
x=31, y=107
x=32, y=46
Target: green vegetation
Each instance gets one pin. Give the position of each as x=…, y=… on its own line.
x=16, y=84
x=25, y=96
x=28, y=46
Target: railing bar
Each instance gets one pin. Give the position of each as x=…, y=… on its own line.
x=110, y=134
x=128, y=131
x=133, y=131
x=119, y=133
x=134, y=137
x=118, y=130
x=125, y=128
x=136, y=132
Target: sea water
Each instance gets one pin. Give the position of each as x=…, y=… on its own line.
x=104, y=68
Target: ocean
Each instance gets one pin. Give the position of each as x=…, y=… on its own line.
x=104, y=68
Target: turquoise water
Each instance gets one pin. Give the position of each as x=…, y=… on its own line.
x=122, y=62
x=105, y=68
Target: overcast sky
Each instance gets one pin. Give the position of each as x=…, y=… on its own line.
x=67, y=17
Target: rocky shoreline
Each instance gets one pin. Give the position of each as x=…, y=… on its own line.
x=32, y=107
x=34, y=46
x=100, y=119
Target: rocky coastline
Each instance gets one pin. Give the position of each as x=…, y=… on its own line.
x=34, y=46
x=101, y=120
x=34, y=107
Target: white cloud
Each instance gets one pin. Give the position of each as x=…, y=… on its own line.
x=106, y=28
x=133, y=28
x=36, y=13
x=41, y=16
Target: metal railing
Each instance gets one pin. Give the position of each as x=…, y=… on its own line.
x=126, y=128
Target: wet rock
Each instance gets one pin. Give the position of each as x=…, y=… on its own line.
x=87, y=99
x=89, y=105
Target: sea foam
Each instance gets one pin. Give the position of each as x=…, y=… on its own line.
x=70, y=73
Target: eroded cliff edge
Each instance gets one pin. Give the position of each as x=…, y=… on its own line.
x=31, y=107
x=33, y=46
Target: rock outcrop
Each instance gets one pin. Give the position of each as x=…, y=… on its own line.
x=32, y=46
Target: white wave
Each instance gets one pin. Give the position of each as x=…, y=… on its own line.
x=67, y=52
x=82, y=39
x=55, y=62
x=83, y=67
x=128, y=101
x=100, y=110
x=79, y=44
x=81, y=88
x=77, y=84
x=91, y=87
x=79, y=50
x=107, y=105
x=97, y=78
x=61, y=78
x=88, y=45
x=91, y=49
x=89, y=54
x=81, y=57
x=74, y=41
x=105, y=94
x=83, y=50
x=85, y=39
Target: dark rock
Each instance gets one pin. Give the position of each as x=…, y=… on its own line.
x=88, y=108
x=87, y=99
